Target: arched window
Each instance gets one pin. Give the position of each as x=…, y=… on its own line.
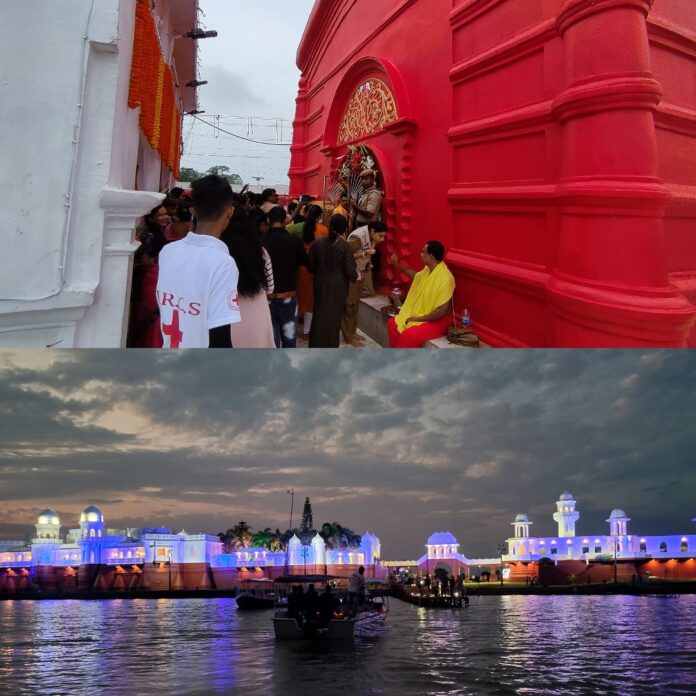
x=643, y=546
x=663, y=547
x=92, y=533
x=684, y=546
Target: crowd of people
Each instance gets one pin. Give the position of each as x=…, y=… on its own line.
x=217, y=268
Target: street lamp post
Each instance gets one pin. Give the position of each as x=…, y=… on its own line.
x=616, y=570
x=291, y=493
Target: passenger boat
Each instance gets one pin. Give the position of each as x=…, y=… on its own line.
x=256, y=594
x=423, y=597
x=345, y=623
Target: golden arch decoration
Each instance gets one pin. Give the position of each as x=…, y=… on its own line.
x=370, y=109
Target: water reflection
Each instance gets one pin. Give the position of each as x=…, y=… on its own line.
x=506, y=645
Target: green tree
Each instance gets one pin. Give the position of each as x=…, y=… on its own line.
x=224, y=170
x=276, y=541
x=339, y=537
x=242, y=533
x=229, y=541
x=187, y=175
x=307, y=523
x=262, y=538
x=218, y=170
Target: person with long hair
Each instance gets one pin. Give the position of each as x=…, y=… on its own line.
x=254, y=284
x=144, y=330
x=332, y=261
x=309, y=231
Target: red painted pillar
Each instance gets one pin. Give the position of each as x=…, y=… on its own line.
x=297, y=149
x=610, y=285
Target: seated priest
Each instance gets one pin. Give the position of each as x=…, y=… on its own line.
x=427, y=311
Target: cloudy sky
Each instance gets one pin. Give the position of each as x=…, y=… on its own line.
x=252, y=86
x=400, y=444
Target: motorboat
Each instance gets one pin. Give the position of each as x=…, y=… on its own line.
x=256, y=593
x=331, y=618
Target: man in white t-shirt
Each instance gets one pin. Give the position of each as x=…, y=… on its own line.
x=197, y=286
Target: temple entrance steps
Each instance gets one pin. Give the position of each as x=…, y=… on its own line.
x=373, y=323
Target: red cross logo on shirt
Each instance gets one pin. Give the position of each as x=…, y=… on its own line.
x=172, y=330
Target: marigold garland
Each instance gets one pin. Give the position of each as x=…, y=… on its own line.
x=152, y=88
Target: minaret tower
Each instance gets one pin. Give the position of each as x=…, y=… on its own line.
x=48, y=526
x=521, y=525
x=618, y=523
x=566, y=515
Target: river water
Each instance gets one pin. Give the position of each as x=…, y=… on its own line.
x=499, y=645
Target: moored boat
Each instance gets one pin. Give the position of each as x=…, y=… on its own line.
x=256, y=594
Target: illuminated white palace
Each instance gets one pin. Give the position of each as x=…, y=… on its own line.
x=567, y=545
x=92, y=557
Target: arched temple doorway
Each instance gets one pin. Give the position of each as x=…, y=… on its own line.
x=370, y=120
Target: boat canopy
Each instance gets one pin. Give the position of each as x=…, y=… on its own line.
x=304, y=579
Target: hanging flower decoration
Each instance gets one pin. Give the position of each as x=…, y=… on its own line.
x=152, y=89
x=355, y=160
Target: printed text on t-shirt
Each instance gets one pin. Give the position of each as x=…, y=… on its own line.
x=167, y=299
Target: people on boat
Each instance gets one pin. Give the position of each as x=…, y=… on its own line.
x=327, y=604
x=356, y=588
x=295, y=603
x=311, y=603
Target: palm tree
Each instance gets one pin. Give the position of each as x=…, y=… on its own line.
x=276, y=543
x=262, y=538
x=353, y=540
x=242, y=533
x=339, y=537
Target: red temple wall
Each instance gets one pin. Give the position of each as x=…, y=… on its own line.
x=550, y=145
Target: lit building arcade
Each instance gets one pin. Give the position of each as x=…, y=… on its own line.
x=95, y=558
x=635, y=554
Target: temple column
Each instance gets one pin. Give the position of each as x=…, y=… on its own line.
x=610, y=285
x=299, y=140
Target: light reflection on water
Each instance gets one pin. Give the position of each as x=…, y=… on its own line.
x=500, y=645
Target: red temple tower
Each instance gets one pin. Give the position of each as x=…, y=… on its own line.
x=550, y=145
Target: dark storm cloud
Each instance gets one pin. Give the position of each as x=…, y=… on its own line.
x=402, y=444
x=34, y=417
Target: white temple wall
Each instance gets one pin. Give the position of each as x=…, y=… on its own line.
x=68, y=172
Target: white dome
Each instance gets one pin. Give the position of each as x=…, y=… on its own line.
x=617, y=515
x=92, y=514
x=566, y=496
x=442, y=538
x=48, y=517
x=521, y=518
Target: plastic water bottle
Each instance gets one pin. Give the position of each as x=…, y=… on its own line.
x=466, y=319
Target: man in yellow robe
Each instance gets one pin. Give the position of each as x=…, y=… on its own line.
x=427, y=312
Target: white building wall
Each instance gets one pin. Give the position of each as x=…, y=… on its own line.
x=627, y=547
x=68, y=171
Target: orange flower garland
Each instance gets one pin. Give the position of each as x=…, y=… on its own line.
x=152, y=89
